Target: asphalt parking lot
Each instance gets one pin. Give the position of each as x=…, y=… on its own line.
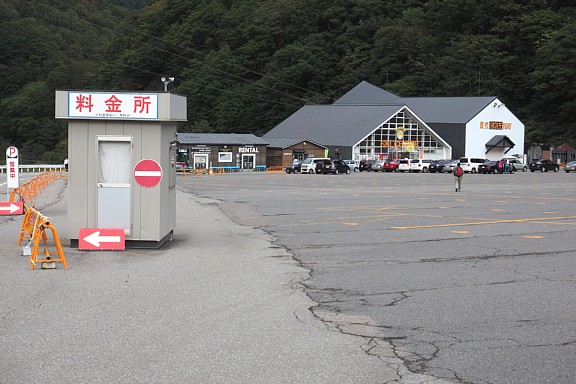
x=471, y=287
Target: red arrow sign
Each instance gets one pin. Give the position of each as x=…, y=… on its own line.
x=11, y=208
x=101, y=239
x=148, y=173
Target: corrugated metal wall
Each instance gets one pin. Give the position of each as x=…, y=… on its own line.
x=454, y=134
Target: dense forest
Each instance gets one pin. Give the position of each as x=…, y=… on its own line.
x=245, y=65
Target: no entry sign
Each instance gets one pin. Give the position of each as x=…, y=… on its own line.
x=101, y=239
x=148, y=173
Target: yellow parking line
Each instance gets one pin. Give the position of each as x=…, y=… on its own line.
x=486, y=222
x=533, y=237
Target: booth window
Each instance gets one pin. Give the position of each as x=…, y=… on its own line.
x=115, y=162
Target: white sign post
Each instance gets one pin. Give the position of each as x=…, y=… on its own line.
x=12, y=169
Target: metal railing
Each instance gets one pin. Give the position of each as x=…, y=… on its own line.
x=35, y=168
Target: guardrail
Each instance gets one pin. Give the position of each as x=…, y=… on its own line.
x=35, y=168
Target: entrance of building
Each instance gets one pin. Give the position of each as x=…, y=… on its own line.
x=200, y=161
x=248, y=161
x=113, y=187
x=298, y=156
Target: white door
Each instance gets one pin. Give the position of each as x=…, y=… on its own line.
x=114, y=177
x=200, y=161
x=248, y=161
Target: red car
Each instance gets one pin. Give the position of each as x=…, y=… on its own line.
x=391, y=165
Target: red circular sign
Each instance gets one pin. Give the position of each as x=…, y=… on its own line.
x=148, y=173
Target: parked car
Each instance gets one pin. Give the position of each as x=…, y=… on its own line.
x=309, y=165
x=449, y=166
x=437, y=166
x=295, y=167
x=391, y=165
x=403, y=165
x=488, y=167
x=378, y=166
x=353, y=165
x=543, y=165
x=419, y=165
x=366, y=165
x=570, y=167
x=181, y=166
x=517, y=164
x=471, y=164
x=332, y=166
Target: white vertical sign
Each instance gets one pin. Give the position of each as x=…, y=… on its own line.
x=12, y=168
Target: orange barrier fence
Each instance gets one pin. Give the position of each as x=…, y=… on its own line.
x=35, y=226
x=198, y=172
x=29, y=223
x=30, y=190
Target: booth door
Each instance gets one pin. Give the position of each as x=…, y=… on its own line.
x=114, y=177
x=248, y=161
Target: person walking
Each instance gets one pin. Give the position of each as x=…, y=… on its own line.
x=458, y=172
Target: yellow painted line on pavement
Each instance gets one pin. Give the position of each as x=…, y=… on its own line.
x=533, y=237
x=462, y=232
x=486, y=222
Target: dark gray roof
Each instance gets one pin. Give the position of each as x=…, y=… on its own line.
x=429, y=109
x=334, y=124
x=285, y=142
x=447, y=109
x=368, y=94
x=500, y=141
x=220, y=138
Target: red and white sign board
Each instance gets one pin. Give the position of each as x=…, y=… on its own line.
x=101, y=239
x=106, y=105
x=11, y=208
x=148, y=173
x=12, y=168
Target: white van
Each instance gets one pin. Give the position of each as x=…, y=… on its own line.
x=419, y=165
x=470, y=164
x=309, y=165
x=403, y=165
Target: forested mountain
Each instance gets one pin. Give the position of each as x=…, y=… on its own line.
x=245, y=65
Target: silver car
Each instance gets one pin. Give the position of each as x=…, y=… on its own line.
x=517, y=164
x=378, y=166
x=449, y=167
x=352, y=165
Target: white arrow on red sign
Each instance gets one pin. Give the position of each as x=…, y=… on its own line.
x=148, y=173
x=11, y=208
x=101, y=239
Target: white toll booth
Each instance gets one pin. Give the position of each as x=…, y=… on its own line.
x=121, y=162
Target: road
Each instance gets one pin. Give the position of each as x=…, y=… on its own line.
x=470, y=287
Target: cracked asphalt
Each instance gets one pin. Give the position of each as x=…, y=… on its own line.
x=221, y=304
x=470, y=287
